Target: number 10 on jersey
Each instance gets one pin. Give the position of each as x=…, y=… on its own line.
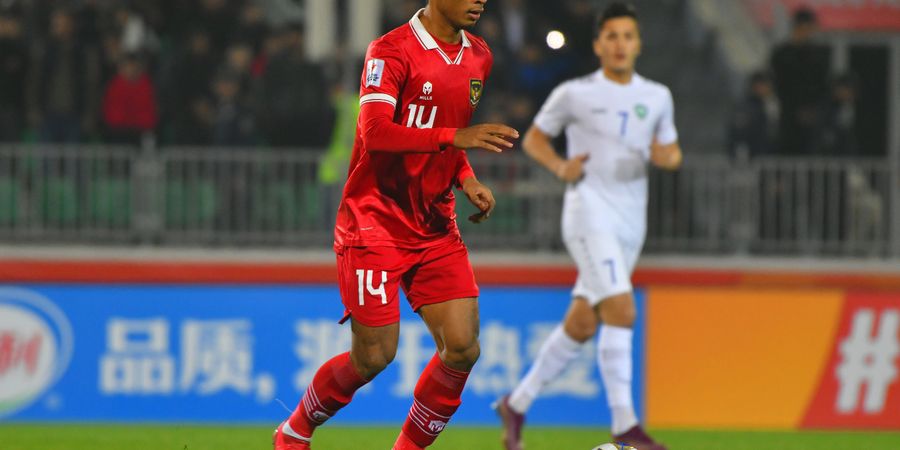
x=366, y=276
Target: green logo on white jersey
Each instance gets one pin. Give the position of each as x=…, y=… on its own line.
x=640, y=110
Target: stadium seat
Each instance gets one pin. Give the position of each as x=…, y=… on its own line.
x=9, y=201
x=58, y=201
x=287, y=206
x=110, y=202
x=190, y=205
x=508, y=217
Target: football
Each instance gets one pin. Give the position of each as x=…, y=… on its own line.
x=613, y=447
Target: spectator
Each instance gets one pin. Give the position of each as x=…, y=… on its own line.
x=136, y=34
x=754, y=126
x=535, y=71
x=239, y=61
x=837, y=132
x=252, y=27
x=397, y=12
x=67, y=83
x=129, y=106
x=801, y=70
x=13, y=74
x=220, y=20
x=189, y=104
x=514, y=24
x=233, y=121
x=295, y=108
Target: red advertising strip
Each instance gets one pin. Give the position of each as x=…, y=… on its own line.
x=860, y=386
x=860, y=15
x=116, y=271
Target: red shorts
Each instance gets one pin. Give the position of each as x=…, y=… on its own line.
x=369, y=278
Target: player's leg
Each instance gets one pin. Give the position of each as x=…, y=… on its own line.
x=614, y=346
x=369, y=283
x=617, y=313
x=334, y=384
x=559, y=349
x=454, y=326
x=444, y=293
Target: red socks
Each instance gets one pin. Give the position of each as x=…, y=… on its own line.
x=436, y=398
x=331, y=389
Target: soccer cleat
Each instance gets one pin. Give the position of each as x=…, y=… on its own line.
x=639, y=439
x=512, y=424
x=281, y=441
x=403, y=443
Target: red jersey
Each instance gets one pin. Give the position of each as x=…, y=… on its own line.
x=415, y=93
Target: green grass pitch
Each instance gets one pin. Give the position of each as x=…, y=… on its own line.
x=14, y=436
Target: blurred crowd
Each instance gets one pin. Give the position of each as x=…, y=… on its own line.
x=195, y=72
x=797, y=106
x=219, y=72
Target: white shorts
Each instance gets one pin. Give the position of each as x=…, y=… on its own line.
x=604, y=265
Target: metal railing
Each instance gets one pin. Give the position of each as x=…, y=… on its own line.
x=271, y=198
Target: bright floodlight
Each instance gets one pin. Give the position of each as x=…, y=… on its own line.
x=556, y=40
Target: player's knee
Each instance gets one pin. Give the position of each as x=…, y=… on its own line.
x=372, y=362
x=581, y=327
x=461, y=355
x=580, y=330
x=620, y=314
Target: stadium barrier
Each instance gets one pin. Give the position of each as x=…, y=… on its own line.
x=206, y=353
x=213, y=342
x=271, y=198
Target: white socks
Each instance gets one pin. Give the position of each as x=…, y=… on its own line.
x=614, y=358
x=556, y=353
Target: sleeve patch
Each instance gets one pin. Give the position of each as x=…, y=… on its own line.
x=374, y=72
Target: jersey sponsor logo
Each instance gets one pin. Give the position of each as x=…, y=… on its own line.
x=374, y=72
x=475, y=88
x=427, y=89
x=641, y=110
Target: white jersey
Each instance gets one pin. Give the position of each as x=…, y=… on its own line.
x=614, y=124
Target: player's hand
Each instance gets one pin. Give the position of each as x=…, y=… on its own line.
x=480, y=196
x=572, y=170
x=489, y=136
x=667, y=157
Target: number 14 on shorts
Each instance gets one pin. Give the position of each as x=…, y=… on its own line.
x=365, y=277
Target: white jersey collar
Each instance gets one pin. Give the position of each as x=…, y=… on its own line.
x=635, y=79
x=427, y=40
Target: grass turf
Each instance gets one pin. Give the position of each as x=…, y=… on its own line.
x=15, y=436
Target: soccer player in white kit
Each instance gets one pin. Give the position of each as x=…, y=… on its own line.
x=615, y=122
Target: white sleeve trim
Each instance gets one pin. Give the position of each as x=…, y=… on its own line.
x=384, y=98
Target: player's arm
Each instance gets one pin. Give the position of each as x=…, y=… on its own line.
x=381, y=134
x=539, y=147
x=666, y=156
x=553, y=117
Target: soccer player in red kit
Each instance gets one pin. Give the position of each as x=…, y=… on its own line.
x=396, y=225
